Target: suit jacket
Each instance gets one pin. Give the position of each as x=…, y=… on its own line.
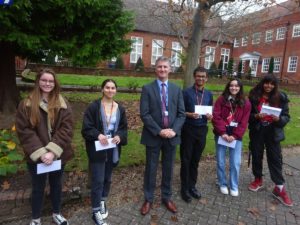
x=151, y=113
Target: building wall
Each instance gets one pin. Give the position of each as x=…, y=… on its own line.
x=147, y=48
x=289, y=46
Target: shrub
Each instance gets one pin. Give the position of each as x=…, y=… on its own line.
x=119, y=63
x=133, y=85
x=230, y=66
x=9, y=154
x=271, y=65
x=139, y=66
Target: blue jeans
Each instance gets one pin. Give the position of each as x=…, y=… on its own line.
x=38, y=189
x=234, y=164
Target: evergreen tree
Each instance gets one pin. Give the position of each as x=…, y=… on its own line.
x=220, y=67
x=230, y=66
x=213, y=71
x=139, y=66
x=240, y=67
x=83, y=31
x=271, y=65
x=119, y=63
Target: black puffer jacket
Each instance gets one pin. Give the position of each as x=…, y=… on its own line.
x=284, y=118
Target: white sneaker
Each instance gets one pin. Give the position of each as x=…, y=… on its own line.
x=97, y=217
x=103, y=209
x=224, y=190
x=35, y=222
x=234, y=193
x=59, y=219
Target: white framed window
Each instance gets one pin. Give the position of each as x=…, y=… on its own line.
x=292, y=66
x=175, y=55
x=254, y=66
x=269, y=36
x=225, y=52
x=256, y=38
x=265, y=65
x=136, y=49
x=280, y=33
x=277, y=62
x=296, y=30
x=243, y=66
x=236, y=43
x=244, y=41
x=209, y=56
x=157, y=50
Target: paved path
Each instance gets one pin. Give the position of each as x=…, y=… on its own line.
x=214, y=208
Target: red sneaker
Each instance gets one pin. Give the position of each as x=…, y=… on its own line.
x=282, y=196
x=255, y=185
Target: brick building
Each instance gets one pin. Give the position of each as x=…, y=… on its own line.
x=274, y=32
x=154, y=36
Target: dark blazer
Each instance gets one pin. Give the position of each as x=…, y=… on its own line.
x=151, y=113
x=92, y=126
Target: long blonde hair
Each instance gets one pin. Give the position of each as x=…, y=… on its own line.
x=35, y=98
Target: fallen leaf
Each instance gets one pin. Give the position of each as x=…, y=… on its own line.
x=154, y=219
x=203, y=201
x=5, y=185
x=273, y=207
x=289, y=172
x=241, y=223
x=11, y=145
x=174, y=218
x=254, y=211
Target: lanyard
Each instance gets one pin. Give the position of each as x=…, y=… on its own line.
x=197, y=97
x=107, y=121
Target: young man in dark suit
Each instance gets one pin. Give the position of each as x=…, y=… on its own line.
x=163, y=114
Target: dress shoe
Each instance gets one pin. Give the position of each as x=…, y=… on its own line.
x=170, y=205
x=195, y=193
x=185, y=195
x=145, y=208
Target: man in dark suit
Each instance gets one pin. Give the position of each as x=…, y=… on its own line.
x=163, y=114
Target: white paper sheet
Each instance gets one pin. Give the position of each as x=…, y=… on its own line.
x=270, y=110
x=221, y=141
x=44, y=168
x=100, y=147
x=203, y=109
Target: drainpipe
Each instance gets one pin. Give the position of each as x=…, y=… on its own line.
x=284, y=49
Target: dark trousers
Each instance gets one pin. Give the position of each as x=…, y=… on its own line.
x=264, y=138
x=101, y=174
x=38, y=189
x=167, y=160
x=193, y=141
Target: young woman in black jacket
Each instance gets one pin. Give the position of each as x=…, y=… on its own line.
x=103, y=119
x=266, y=131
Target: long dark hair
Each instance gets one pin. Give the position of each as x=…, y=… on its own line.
x=240, y=98
x=257, y=92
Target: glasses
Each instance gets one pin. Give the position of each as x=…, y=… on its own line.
x=47, y=81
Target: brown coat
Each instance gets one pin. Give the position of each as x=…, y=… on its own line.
x=36, y=141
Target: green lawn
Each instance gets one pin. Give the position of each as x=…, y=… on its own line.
x=134, y=152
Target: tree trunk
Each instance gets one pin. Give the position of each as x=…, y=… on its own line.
x=194, y=44
x=9, y=93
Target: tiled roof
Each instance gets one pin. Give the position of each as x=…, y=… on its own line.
x=155, y=17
